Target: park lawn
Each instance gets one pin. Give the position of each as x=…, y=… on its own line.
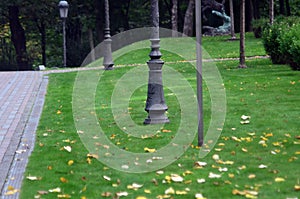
x=261, y=157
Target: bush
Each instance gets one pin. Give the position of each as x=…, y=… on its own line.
x=281, y=41
x=294, y=47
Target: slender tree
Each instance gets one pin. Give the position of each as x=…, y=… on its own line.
x=189, y=19
x=242, y=35
x=233, y=37
x=271, y=11
x=175, y=18
x=18, y=38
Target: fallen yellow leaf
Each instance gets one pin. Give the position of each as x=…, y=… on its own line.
x=55, y=190
x=231, y=175
x=250, y=196
x=63, y=196
x=147, y=191
x=70, y=162
x=278, y=179
x=11, y=190
x=180, y=192
x=237, y=192
x=63, y=180
x=251, y=176
x=141, y=197
x=297, y=187
x=146, y=149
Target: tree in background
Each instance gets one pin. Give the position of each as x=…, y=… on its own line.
x=242, y=35
x=189, y=19
x=174, y=18
x=18, y=37
x=271, y=11
x=233, y=37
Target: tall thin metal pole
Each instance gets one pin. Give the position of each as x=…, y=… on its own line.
x=199, y=71
x=242, y=35
x=64, y=42
x=107, y=60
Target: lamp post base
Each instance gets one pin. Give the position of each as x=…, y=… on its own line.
x=155, y=104
x=157, y=115
x=107, y=60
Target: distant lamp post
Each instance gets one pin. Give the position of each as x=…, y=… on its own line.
x=63, y=11
x=155, y=104
x=107, y=60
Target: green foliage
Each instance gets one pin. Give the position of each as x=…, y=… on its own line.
x=258, y=26
x=281, y=41
x=294, y=46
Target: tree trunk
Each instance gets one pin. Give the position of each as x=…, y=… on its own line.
x=242, y=36
x=189, y=19
x=271, y=11
x=175, y=18
x=18, y=38
x=233, y=37
x=99, y=5
x=92, y=46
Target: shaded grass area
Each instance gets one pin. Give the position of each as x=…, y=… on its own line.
x=268, y=93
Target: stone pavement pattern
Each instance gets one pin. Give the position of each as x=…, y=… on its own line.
x=21, y=101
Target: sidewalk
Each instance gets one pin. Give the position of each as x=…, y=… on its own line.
x=21, y=102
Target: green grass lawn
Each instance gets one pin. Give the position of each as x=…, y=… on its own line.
x=255, y=160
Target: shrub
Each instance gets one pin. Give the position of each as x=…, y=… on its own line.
x=271, y=40
x=281, y=41
x=294, y=47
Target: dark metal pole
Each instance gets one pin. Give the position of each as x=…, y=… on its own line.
x=155, y=104
x=64, y=42
x=199, y=71
x=107, y=60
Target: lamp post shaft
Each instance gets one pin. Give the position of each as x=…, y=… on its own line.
x=155, y=104
x=64, y=43
x=107, y=60
x=199, y=72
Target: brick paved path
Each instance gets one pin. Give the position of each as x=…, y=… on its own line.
x=21, y=102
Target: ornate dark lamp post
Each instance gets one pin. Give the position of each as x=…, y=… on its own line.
x=63, y=11
x=107, y=60
x=155, y=105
